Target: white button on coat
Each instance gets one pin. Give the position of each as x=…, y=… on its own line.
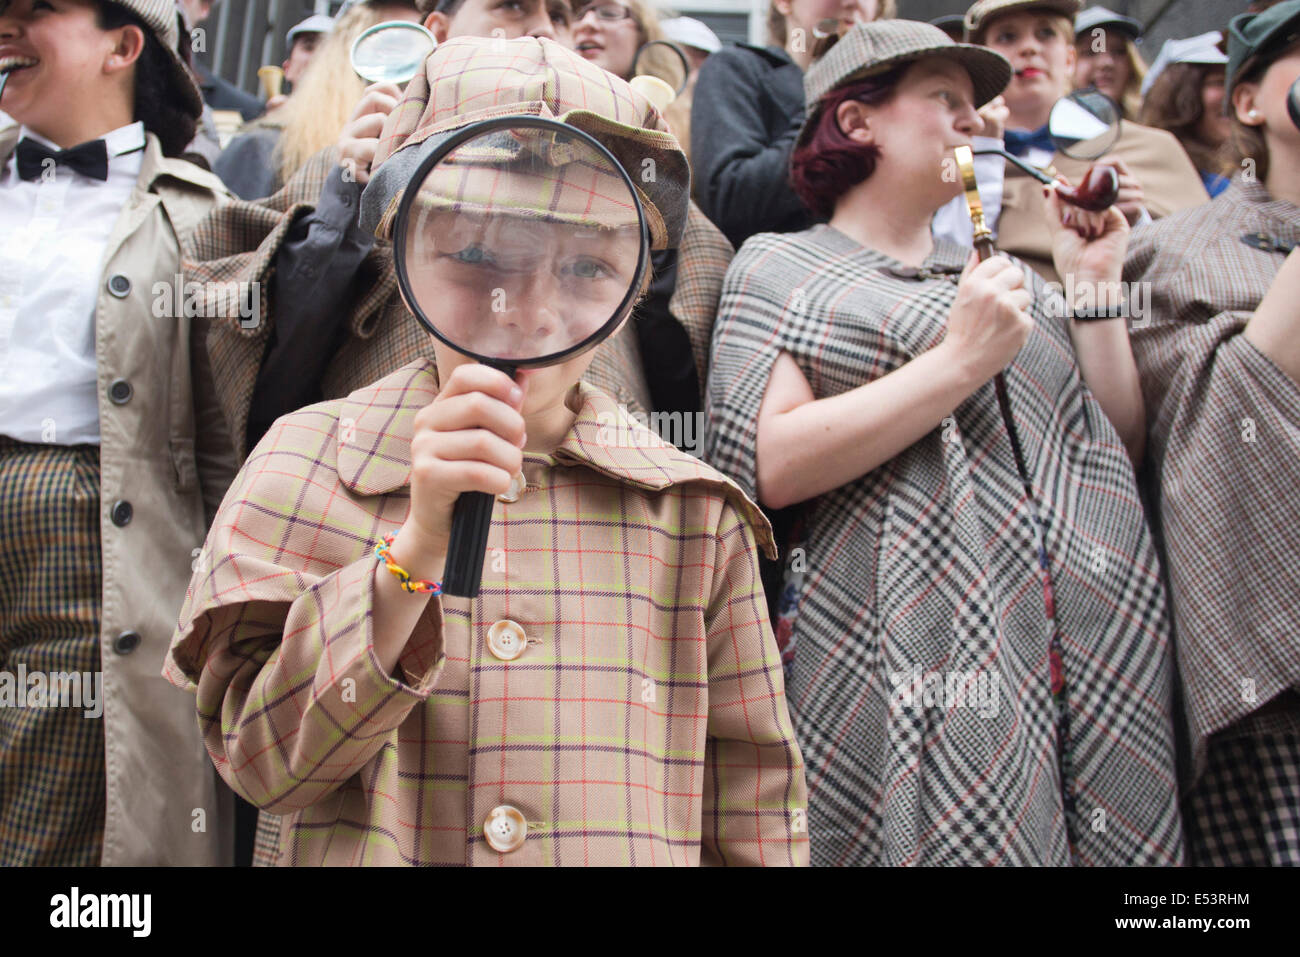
x=505, y=829
x=506, y=640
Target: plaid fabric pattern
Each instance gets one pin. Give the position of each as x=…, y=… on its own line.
x=1223, y=453
x=927, y=566
x=1244, y=811
x=702, y=265
x=468, y=79
x=52, y=789
x=646, y=725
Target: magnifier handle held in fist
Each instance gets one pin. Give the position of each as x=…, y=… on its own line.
x=471, y=520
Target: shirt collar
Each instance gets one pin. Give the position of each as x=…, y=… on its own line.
x=1250, y=190
x=123, y=140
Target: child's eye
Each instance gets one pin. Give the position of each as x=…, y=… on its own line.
x=1046, y=33
x=474, y=255
x=587, y=268
x=512, y=6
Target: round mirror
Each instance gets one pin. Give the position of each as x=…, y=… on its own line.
x=1085, y=124
x=391, y=52
x=520, y=241
x=665, y=61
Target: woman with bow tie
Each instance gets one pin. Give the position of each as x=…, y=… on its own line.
x=112, y=446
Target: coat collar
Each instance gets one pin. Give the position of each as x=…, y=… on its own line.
x=375, y=425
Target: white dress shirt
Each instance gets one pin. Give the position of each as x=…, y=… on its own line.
x=54, y=233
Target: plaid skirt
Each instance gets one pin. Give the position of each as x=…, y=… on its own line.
x=1244, y=810
x=51, y=756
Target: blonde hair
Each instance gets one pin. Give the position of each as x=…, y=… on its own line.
x=778, y=33
x=326, y=95
x=646, y=19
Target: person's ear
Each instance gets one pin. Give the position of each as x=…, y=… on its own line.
x=1071, y=58
x=126, y=49
x=855, y=122
x=439, y=24
x=1245, y=104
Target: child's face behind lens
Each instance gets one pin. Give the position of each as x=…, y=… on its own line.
x=515, y=289
x=58, y=55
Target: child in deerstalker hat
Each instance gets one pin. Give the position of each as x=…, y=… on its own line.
x=613, y=695
x=113, y=449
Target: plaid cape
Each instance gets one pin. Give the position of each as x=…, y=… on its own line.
x=1223, y=452
x=645, y=722
x=920, y=683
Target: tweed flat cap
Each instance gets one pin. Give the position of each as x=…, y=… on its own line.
x=979, y=14
x=872, y=48
x=468, y=79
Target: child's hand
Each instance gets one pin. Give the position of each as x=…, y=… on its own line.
x=469, y=439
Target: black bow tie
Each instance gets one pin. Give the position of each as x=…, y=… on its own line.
x=89, y=159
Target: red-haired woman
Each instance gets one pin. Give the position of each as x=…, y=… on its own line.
x=947, y=712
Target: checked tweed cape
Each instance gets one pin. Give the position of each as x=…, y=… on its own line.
x=644, y=723
x=928, y=563
x=1223, y=456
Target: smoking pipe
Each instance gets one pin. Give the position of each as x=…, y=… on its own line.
x=1096, y=193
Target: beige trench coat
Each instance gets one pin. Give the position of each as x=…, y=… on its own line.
x=165, y=461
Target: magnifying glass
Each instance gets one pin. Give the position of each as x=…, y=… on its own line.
x=393, y=51
x=663, y=60
x=519, y=242
x=1083, y=126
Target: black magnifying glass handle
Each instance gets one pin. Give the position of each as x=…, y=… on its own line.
x=471, y=520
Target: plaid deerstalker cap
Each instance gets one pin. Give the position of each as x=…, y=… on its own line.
x=868, y=49
x=469, y=79
x=980, y=13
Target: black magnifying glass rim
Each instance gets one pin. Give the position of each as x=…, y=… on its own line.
x=473, y=131
x=385, y=25
x=681, y=55
x=1077, y=96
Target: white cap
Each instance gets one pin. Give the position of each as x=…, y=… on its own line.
x=318, y=23
x=690, y=32
x=1202, y=48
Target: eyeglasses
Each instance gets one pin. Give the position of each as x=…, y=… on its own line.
x=609, y=12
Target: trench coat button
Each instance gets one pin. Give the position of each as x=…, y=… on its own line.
x=505, y=830
x=122, y=513
x=119, y=392
x=506, y=640
x=119, y=286
x=517, y=486
x=126, y=642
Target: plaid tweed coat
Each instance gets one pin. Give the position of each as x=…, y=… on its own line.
x=644, y=723
x=919, y=684
x=239, y=242
x=1223, y=451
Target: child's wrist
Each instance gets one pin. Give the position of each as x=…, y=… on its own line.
x=422, y=553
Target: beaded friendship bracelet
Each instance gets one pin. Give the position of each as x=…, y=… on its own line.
x=412, y=585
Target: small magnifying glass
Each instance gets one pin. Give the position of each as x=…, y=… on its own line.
x=393, y=51
x=519, y=242
x=1085, y=126
x=663, y=60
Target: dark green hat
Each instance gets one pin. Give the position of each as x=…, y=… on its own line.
x=1255, y=38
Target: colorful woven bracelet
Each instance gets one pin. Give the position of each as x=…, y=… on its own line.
x=412, y=585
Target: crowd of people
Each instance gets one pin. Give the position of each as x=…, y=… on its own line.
x=874, y=532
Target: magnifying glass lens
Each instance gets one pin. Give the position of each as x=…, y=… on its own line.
x=393, y=51
x=1085, y=124
x=664, y=60
x=522, y=245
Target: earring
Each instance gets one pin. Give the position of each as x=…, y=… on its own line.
x=1253, y=114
